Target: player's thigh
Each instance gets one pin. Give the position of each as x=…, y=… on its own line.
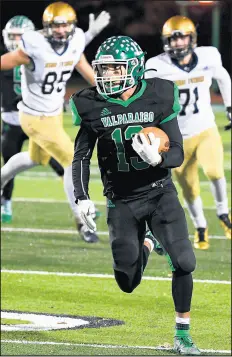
x=60, y=147
x=37, y=153
x=169, y=226
x=187, y=173
x=210, y=154
x=125, y=232
x=33, y=127
x=189, y=163
x=49, y=135
x=55, y=141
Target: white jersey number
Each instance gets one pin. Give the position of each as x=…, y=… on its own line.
x=51, y=78
x=184, y=95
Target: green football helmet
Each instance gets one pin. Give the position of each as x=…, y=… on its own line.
x=17, y=25
x=119, y=52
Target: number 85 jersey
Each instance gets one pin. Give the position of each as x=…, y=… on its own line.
x=194, y=83
x=43, y=82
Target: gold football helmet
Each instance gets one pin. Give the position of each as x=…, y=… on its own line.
x=55, y=15
x=178, y=26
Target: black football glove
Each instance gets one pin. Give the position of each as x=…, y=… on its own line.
x=228, y=113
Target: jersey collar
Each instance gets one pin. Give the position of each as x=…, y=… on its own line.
x=127, y=102
x=189, y=67
x=64, y=49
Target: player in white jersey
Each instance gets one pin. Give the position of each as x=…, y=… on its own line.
x=47, y=60
x=192, y=69
x=12, y=135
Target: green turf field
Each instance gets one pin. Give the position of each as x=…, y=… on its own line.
x=47, y=269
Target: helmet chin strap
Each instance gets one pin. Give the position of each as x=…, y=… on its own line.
x=180, y=56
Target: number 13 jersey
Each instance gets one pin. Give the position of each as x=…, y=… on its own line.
x=194, y=83
x=43, y=82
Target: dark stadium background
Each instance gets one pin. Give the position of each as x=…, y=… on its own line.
x=140, y=19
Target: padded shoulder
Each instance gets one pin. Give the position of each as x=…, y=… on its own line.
x=209, y=54
x=32, y=41
x=81, y=103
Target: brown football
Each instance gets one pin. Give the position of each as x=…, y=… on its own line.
x=164, y=140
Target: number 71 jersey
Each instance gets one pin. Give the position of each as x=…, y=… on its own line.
x=43, y=82
x=196, y=113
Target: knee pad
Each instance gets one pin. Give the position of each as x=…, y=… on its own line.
x=215, y=173
x=125, y=253
x=183, y=257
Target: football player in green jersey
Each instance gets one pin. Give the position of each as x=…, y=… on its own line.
x=136, y=177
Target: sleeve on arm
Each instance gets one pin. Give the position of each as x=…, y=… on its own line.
x=26, y=43
x=79, y=39
x=173, y=109
x=88, y=37
x=221, y=75
x=224, y=82
x=84, y=146
x=175, y=156
x=76, y=118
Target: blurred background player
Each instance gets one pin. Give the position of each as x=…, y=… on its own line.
x=12, y=135
x=192, y=69
x=48, y=58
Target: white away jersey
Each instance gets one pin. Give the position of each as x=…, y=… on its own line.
x=196, y=114
x=43, y=83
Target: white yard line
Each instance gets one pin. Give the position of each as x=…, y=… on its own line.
x=38, y=174
x=157, y=348
x=105, y=276
x=69, y=231
x=45, y=231
x=51, y=200
x=94, y=172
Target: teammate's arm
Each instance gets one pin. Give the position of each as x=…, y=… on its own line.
x=13, y=59
x=84, y=68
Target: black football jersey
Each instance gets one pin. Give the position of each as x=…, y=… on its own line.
x=11, y=89
x=112, y=123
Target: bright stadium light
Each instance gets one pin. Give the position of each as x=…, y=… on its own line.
x=194, y=2
x=206, y=2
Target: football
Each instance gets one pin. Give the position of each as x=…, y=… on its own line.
x=164, y=140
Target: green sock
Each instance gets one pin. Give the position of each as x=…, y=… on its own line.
x=181, y=330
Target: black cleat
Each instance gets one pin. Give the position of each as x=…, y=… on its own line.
x=86, y=235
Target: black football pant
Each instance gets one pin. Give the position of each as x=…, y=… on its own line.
x=161, y=209
x=13, y=138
